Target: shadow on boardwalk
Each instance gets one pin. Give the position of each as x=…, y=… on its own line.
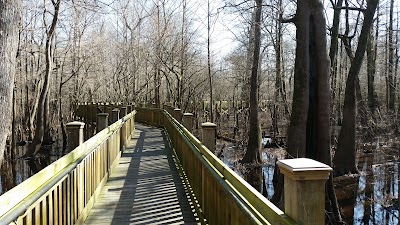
x=146, y=187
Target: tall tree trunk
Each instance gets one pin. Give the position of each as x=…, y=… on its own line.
x=37, y=141
x=210, y=80
x=344, y=161
x=278, y=71
x=308, y=134
x=371, y=69
x=9, y=20
x=61, y=116
x=333, y=52
x=253, y=153
x=157, y=72
x=47, y=137
x=391, y=77
x=13, y=125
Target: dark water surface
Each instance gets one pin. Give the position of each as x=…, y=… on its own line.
x=15, y=171
x=370, y=197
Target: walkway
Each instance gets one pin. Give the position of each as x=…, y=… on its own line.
x=146, y=187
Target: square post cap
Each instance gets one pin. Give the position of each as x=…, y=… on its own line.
x=75, y=125
x=208, y=125
x=304, y=169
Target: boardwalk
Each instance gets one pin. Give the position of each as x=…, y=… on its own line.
x=146, y=186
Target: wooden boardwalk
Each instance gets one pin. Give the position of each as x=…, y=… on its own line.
x=146, y=187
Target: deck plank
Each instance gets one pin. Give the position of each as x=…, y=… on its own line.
x=145, y=187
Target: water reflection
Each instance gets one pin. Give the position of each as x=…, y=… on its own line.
x=15, y=171
x=268, y=172
x=360, y=199
x=263, y=175
x=370, y=198
x=380, y=204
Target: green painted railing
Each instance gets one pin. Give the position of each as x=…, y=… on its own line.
x=222, y=196
x=64, y=192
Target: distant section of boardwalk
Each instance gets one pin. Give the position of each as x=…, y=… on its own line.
x=146, y=187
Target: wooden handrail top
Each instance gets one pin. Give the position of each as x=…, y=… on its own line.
x=20, y=198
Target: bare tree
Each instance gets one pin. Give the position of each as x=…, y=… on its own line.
x=42, y=113
x=308, y=134
x=345, y=155
x=391, y=63
x=9, y=20
x=253, y=153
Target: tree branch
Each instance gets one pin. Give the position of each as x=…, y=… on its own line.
x=350, y=8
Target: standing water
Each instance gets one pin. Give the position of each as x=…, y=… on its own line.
x=15, y=171
x=370, y=197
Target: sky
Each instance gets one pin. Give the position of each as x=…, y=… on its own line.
x=222, y=39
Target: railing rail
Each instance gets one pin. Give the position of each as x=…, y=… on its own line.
x=64, y=192
x=223, y=196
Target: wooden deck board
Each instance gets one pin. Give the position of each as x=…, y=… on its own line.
x=145, y=187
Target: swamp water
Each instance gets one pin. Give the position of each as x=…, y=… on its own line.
x=369, y=198
x=15, y=171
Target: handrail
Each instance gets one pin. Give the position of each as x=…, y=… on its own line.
x=38, y=197
x=250, y=202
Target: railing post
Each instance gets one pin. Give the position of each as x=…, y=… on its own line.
x=102, y=121
x=177, y=114
x=75, y=134
x=208, y=138
x=305, y=189
x=108, y=108
x=123, y=129
x=129, y=109
x=187, y=120
x=102, y=107
x=115, y=115
x=122, y=112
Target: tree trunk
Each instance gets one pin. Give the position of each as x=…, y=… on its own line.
x=210, y=80
x=13, y=125
x=298, y=120
x=278, y=72
x=391, y=48
x=344, y=161
x=37, y=141
x=333, y=51
x=253, y=153
x=9, y=20
x=371, y=69
x=308, y=134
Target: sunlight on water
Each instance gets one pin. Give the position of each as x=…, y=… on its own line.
x=268, y=171
x=360, y=199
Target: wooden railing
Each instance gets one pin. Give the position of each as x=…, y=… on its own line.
x=65, y=191
x=223, y=196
